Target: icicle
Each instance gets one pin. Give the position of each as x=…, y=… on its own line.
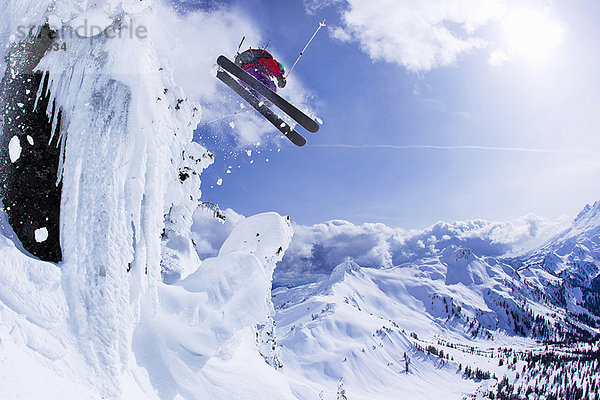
x=55, y=115
x=39, y=92
x=61, y=159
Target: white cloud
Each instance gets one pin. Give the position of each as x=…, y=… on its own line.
x=312, y=6
x=316, y=250
x=417, y=34
x=497, y=58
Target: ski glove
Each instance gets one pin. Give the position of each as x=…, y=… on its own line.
x=281, y=82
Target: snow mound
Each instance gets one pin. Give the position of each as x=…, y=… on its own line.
x=207, y=319
x=190, y=340
x=34, y=334
x=267, y=236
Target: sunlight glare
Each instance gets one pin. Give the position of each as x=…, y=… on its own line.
x=531, y=34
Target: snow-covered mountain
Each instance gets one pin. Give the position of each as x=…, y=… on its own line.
x=362, y=323
x=573, y=255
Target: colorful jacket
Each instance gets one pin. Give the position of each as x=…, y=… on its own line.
x=261, y=59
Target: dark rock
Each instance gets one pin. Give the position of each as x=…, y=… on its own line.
x=28, y=186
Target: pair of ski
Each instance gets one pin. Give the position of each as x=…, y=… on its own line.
x=230, y=70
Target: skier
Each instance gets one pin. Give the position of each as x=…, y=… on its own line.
x=260, y=64
x=251, y=76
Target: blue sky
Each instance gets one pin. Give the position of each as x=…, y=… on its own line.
x=481, y=120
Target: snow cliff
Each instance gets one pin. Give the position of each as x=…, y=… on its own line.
x=102, y=322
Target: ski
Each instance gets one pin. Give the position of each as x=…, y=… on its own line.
x=273, y=118
x=304, y=120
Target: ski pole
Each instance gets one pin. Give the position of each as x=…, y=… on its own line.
x=240, y=46
x=321, y=24
x=228, y=115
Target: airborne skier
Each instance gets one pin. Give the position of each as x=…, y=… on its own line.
x=252, y=76
x=260, y=64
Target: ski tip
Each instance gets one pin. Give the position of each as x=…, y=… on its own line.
x=314, y=129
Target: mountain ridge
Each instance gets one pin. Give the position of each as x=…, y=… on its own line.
x=454, y=296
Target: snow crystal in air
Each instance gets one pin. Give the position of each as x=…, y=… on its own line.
x=14, y=149
x=30, y=140
x=41, y=235
x=220, y=181
x=21, y=105
x=249, y=152
x=228, y=171
x=232, y=125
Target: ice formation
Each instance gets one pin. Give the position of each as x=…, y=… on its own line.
x=103, y=322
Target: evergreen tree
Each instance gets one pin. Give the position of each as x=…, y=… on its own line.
x=341, y=392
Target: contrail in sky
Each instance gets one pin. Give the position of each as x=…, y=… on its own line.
x=434, y=147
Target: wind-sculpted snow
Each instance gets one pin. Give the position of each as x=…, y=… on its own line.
x=209, y=233
x=206, y=320
x=36, y=349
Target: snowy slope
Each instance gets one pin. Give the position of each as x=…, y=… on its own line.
x=201, y=335
x=358, y=323
x=573, y=254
